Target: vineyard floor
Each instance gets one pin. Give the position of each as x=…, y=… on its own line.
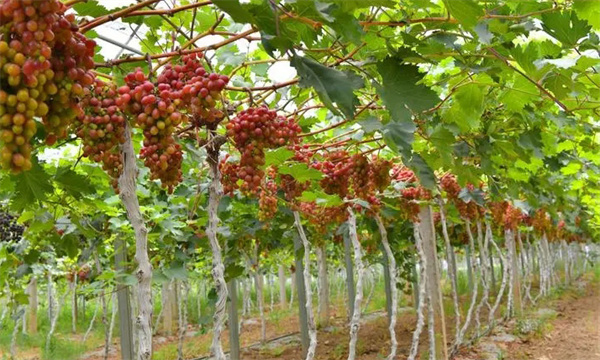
x=570, y=332
x=566, y=326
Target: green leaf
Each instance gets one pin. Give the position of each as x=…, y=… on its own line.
x=588, y=10
x=91, y=8
x=321, y=198
x=521, y=93
x=235, y=10
x=467, y=12
x=277, y=157
x=422, y=170
x=301, y=172
x=565, y=27
x=73, y=183
x=399, y=136
x=31, y=186
x=400, y=89
x=351, y=5
x=179, y=273
x=370, y=124
x=333, y=86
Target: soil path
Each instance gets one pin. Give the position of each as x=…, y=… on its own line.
x=575, y=333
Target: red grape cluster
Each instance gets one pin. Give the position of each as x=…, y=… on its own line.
x=254, y=130
x=198, y=89
x=380, y=173
x=512, y=217
x=292, y=188
x=466, y=210
x=267, y=200
x=321, y=217
x=102, y=129
x=403, y=174
x=302, y=153
x=541, y=221
x=44, y=67
x=411, y=193
x=155, y=111
x=336, y=169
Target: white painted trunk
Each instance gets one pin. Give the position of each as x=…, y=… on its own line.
x=503, y=261
x=360, y=269
x=127, y=187
x=89, y=329
x=113, y=315
x=461, y=334
x=183, y=317
x=310, y=318
x=451, y=266
x=414, y=347
x=218, y=267
x=392, y=270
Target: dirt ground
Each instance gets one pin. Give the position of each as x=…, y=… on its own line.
x=574, y=334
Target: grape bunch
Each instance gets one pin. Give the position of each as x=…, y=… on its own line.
x=411, y=192
x=380, y=173
x=512, y=217
x=10, y=230
x=44, y=68
x=254, y=130
x=467, y=210
x=267, y=200
x=292, y=189
x=322, y=217
x=337, y=171
x=154, y=108
x=541, y=221
x=198, y=89
x=302, y=153
x=102, y=129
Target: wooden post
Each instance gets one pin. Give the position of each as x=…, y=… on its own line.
x=125, y=316
x=428, y=237
x=301, y=296
x=234, y=329
x=349, y=275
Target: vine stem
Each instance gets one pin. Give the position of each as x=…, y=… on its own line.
x=540, y=87
x=393, y=274
x=312, y=330
x=218, y=267
x=178, y=52
x=414, y=347
x=460, y=336
x=451, y=268
x=127, y=186
x=360, y=269
x=116, y=15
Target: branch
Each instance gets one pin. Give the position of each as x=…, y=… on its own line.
x=542, y=89
x=179, y=52
x=168, y=12
x=119, y=14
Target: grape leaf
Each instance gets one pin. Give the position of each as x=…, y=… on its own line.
x=31, y=186
x=333, y=86
x=565, y=27
x=465, y=11
x=400, y=90
x=301, y=172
